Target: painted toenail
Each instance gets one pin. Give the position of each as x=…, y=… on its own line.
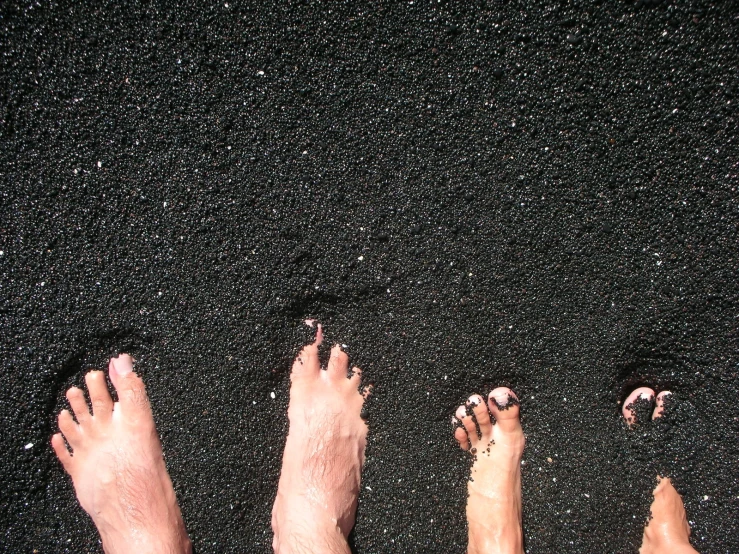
x=122, y=365
x=501, y=399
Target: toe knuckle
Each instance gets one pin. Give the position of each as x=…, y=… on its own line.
x=138, y=396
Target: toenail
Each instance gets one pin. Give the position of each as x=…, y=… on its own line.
x=122, y=365
x=502, y=399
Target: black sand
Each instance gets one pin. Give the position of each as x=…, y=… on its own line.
x=542, y=196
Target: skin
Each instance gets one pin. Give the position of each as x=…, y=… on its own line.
x=117, y=467
x=316, y=502
x=118, y=471
x=667, y=532
x=494, y=488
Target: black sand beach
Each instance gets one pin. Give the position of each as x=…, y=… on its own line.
x=537, y=195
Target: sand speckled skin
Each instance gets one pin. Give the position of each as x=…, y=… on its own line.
x=521, y=195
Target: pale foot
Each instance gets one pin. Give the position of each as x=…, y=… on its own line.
x=667, y=531
x=494, y=488
x=317, y=494
x=117, y=465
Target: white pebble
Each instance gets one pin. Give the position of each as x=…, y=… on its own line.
x=272, y=395
x=360, y=258
x=100, y=164
x=29, y=445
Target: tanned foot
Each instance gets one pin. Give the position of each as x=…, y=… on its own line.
x=494, y=488
x=317, y=494
x=117, y=467
x=667, y=531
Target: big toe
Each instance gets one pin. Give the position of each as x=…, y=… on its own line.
x=504, y=406
x=307, y=362
x=132, y=397
x=629, y=409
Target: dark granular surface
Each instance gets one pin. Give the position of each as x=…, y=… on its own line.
x=535, y=195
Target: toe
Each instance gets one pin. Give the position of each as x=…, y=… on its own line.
x=469, y=424
x=118, y=367
x=69, y=428
x=307, y=362
x=60, y=449
x=659, y=403
x=460, y=434
x=102, y=403
x=78, y=404
x=503, y=404
x=338, y=364
x=480, y=409
x=356, y=376
x=132, y=399
x=628, y=410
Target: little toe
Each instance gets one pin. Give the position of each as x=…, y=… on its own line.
x=503, y=404
x=78, y=404
x=61, y=451
x=307, y=362
x=460, y=435
x=628, y=410
x=659, y=404
x=480, y=409
x=102, y=403
x=338, y=364
x=469, y=424
x=69, y=428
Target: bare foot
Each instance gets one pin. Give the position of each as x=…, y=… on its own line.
x=317, y=495
x=494, y=502
x=667, y=531
x=117, y=465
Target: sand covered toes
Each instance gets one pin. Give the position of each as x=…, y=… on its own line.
x=667, y=531
x=491, y=431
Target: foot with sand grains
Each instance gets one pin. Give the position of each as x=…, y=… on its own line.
x=667, y=531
